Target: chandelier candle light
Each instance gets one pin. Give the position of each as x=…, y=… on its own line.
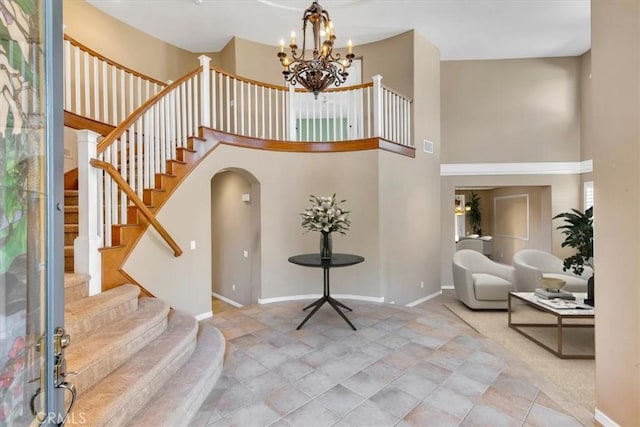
x=325, y=67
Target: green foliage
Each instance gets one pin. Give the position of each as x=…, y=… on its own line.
x=578, y=231
x=475, y=216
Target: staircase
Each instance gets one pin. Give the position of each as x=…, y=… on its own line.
x=136, y=361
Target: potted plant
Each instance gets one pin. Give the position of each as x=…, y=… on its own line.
x=326, y=216
x=578, y=231
x=475, y=216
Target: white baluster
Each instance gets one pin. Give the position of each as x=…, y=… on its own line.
x=96, y=92
x=114, y=96
x=121, y=96
x=256, y=115
x=235, y=106
x=124, y=171
x=214, y=95
x=377, y=105
x=291, y=113
x=105, y=93
x=270, y=121
x=77, y=108
x=205, y=82
x=67, y=76
x=189, y=110
x=262, y=113
x=228, y=104
x=240, y=110
x=221, y=98
x=183, y=110
x=87, y=259
x=147, y=154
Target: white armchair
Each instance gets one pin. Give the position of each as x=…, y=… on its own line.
x=480, y=282
x=531, y=265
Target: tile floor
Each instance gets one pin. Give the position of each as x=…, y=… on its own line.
x=403, y=367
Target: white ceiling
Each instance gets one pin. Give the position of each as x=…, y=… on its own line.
x=461, y=29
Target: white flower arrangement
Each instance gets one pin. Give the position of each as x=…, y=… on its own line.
x=325, y=215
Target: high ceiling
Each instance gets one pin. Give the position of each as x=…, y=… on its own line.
x=461, y=29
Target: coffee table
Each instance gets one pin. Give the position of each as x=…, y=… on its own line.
x=530, y=299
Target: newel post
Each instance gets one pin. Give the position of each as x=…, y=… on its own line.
x=87, y=258
x=205, y=92
x=377, y=105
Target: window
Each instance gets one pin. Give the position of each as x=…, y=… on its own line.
x=588, y=194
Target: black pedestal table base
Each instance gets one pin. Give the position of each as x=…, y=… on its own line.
x=337, y=260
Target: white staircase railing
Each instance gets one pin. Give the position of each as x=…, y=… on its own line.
x=101, y=89
x=143, y=143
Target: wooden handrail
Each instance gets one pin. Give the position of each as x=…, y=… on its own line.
x=115, y=175
x=126, y=124
x=76, y=121
x=92, y=52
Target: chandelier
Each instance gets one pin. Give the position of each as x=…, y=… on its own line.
x=325, y=67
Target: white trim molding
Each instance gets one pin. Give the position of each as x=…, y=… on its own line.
x=203, y=316
x=605, y=420
x=316, y=296
x=421, y=300
x=524, y=168
x=227, y=300
x=446, y=286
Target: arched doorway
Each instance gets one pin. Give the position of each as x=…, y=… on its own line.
x=235, y=237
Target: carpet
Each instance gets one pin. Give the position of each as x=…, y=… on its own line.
x=573, y=377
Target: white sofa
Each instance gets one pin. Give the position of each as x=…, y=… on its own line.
x=479, y=282
x=532, y=264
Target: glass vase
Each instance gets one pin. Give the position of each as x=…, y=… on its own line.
x=325, y=245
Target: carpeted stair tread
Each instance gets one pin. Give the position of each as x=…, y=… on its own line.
x=86, y=315
x=75, y=286
x=119, y=396
x=103, y=352
x=176, y=403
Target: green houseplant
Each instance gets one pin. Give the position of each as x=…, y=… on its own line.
x=475, y=216
x=578, y=231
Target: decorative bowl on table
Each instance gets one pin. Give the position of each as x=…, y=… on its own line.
x=551, y=284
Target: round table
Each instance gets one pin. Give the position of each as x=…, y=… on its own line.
x=336, y=260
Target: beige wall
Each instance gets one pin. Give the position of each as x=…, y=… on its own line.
x=286, y=181
x=564, y=196
x=538, y=228
x=258, y=61
x=125, y=44
x=615, y=60
x=518, y=110
x=393, y=59
x=586, y=108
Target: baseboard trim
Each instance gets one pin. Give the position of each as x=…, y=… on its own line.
x=227, y=300
x=447, y=287
x=316, y=296
x=424, y=299
x=203, y=316
x=524, y=168
x=603, y=419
